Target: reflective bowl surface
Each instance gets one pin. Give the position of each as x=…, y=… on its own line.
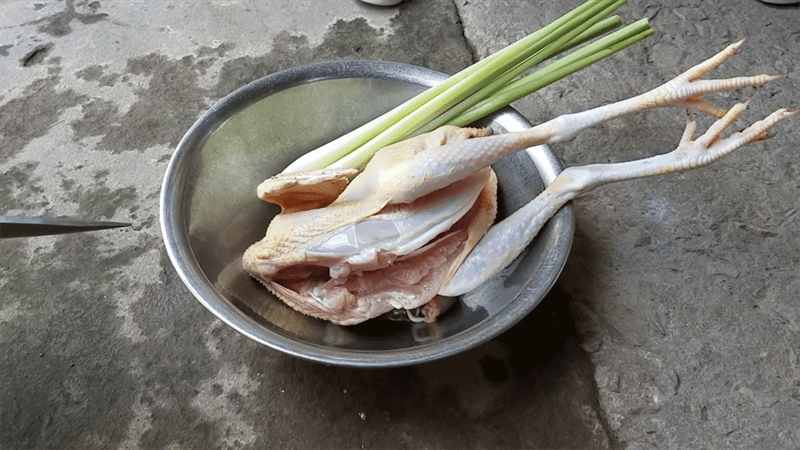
x=210, y=214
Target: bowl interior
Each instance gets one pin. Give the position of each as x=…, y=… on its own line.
x=210, y=214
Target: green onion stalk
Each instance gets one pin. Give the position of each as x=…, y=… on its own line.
x=489, y=84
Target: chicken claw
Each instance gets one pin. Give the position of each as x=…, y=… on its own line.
x=515, y=232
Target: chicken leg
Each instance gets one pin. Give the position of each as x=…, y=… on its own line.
x=505, y=241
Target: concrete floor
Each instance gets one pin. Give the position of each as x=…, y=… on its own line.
x=675, y=323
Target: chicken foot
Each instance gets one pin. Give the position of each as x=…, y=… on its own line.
x=506, y=240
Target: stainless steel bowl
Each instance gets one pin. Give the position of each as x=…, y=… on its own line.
x=210, y=214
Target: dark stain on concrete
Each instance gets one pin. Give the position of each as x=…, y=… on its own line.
x=97, y=73
x=48, y=380
x=84, y=390
x=4, y=49
x=36, y=55
x=174, y=322
x=168, y=106
x=101, y=201
x=90, y=73
x=97, y=113
x=32, y=114
x=19, y=189
x=173, y=99
x=60, y=24
x=495, y=393
x=201, y=435
x=416, y=38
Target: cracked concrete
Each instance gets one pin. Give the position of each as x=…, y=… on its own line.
x=673, y=325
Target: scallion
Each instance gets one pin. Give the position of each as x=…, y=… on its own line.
x=487, y=85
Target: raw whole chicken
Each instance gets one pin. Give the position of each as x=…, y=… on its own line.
x=416, y=223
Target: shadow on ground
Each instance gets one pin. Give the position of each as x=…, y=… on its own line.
x=530, y=387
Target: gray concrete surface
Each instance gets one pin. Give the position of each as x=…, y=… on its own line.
x=674, y=324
